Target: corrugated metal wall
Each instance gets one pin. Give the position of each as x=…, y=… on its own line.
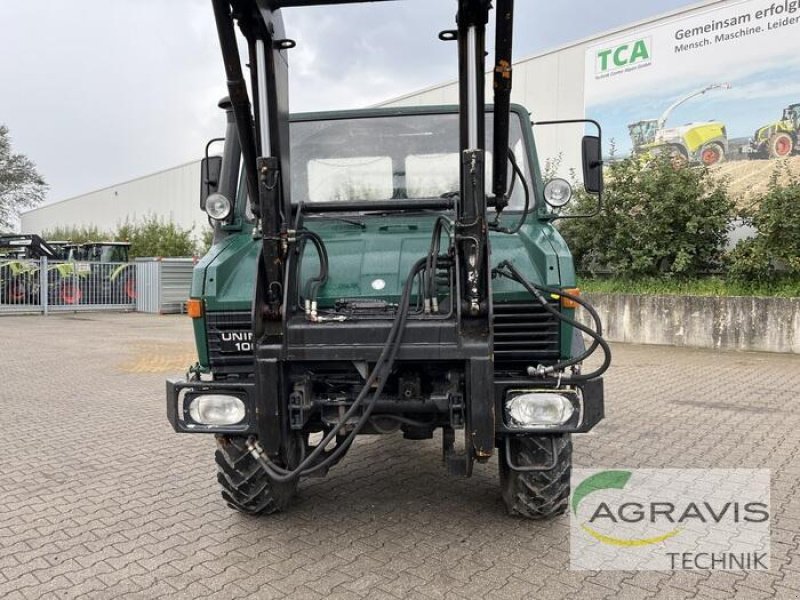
x=163, y=284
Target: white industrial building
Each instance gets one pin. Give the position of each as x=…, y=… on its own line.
x=171, y=194
x=553, y=85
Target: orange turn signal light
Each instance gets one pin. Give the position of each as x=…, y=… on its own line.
x=194, y=308
x=568, y=302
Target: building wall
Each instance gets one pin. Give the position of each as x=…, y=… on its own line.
x=171, y=195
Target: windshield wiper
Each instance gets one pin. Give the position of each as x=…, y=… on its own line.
x=354, y=222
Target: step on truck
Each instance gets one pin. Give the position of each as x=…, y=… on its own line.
x=386, y=270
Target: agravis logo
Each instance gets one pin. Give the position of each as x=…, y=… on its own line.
x=670, y=518
x=611, y=480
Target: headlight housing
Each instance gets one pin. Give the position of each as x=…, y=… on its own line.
x=217, y=409
x=218, y=207
x=538, y=409
x=557, y=192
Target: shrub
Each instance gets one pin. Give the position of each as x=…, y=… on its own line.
x=77, y=234
x=154, y=237
x=148, y=237
x=659, y=218
x=775, y=251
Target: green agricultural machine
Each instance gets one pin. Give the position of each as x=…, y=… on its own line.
x=19, y=267
x=705, y=142
x=368, y=276
x=108, y=275
x=778, y=139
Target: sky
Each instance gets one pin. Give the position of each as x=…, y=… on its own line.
x=97, y=92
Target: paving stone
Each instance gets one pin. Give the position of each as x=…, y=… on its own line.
x=119, y=506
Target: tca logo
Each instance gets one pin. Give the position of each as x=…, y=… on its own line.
x=628, y=54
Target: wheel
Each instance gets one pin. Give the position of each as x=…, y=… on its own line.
x=129, y=288
x=70, y=293
x=16, y=292
x=246, y=487
x=536, y=494
x=780, y=144
x=712, y=154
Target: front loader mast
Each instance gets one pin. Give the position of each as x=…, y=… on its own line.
x=263, y=130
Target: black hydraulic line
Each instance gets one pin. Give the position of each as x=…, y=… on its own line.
x=596, y=334
x=377, y=378
x=433, y=255
x=315, y=283
x=504, y=30
x=237, y=92
x=534, y=291
x=495, y=225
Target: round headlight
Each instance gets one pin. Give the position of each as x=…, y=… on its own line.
x=557, y=192
x=217, y=409
x=218, y=207
x=539, y=409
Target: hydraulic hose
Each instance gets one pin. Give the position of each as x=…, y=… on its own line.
x=433, y=254
x=596, y=334
x=377, y=377
x=495, y=225
x=313, y=284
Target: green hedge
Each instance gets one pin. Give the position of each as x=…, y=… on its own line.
x=149, y=237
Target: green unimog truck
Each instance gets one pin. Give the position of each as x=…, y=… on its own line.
x=385, y=270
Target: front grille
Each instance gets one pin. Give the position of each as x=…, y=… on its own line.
x=230, y=362
x=525, y=334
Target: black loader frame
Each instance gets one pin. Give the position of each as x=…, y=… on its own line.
x=265, y=153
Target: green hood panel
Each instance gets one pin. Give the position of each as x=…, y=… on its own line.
x=228, y=274
x=374, y=262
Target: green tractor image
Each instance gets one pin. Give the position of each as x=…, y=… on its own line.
x=705, y=143
x=780, y=138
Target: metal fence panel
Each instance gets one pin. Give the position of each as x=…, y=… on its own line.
x=20, y=285
x=42, y=286
x=151, y=285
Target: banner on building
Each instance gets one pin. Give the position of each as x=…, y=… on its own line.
x=719, y=84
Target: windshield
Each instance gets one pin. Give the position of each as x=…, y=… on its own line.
x=388, y=157
x=107, y=254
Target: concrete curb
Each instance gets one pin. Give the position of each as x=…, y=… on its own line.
x=720, y=323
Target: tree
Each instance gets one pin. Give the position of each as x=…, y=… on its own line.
x=775, y=252
x=21, y=186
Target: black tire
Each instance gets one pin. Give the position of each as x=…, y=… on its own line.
x=780, y=145
x=246, y=487
x=537, y=494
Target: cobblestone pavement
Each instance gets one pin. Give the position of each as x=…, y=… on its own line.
x=99, y=498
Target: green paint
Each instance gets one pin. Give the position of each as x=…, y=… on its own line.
x=627, y=54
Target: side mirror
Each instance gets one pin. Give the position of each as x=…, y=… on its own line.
x=592, y=164
x=210, y=169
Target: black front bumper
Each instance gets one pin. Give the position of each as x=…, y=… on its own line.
x=588, y=397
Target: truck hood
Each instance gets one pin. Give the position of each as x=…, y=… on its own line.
x=374, y=262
